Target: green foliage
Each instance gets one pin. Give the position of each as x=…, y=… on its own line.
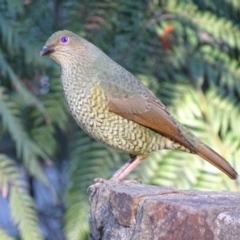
x=25, y=147
x=30, y=115
x=186, y=51
x=4, y=236
x=21, y=204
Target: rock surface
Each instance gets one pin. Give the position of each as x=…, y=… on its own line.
x=135, y=212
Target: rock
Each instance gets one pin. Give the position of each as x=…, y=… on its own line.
x=136, y=211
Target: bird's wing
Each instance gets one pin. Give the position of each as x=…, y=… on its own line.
x=129, y=98
x=135, y=102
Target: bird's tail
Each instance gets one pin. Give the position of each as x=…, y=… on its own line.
x=214, y=158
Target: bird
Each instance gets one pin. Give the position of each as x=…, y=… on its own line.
x=114, y=107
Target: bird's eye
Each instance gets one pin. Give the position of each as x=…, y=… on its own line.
x=64, y=39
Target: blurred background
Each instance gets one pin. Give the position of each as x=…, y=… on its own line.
x=185, y=51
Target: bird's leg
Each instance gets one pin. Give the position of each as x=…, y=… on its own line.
x=121, y=173
x=118, y=176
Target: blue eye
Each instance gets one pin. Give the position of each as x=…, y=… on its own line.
x=64, y=39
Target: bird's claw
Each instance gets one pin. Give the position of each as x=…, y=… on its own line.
x=135, y=180
x=92, y=190
x=99, y=180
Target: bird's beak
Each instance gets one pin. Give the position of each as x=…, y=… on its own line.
x=46, y=50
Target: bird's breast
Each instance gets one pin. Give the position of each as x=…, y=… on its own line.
x=88, y=106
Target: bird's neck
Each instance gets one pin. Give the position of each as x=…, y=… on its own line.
x=73, y=78
x=80, y=73
x=76, y=85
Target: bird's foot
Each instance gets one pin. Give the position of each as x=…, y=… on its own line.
x=100, y=180
x=92, y=189
x=134, y=180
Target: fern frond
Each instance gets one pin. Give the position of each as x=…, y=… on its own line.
x=43, y=131
x=76, y=225
x=25, y=147
x=26, y=96
x=4, y=235
x=8, y=173
x=9, y=26
x=21, y=204
x=24, y=213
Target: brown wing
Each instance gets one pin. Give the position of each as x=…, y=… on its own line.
x=150, y=112
x=145, y=109
x=129, y=98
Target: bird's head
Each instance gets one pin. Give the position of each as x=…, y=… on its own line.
x=64, y=46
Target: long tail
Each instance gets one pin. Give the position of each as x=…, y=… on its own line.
x=215, y=159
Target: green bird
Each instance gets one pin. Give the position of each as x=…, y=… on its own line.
x=115, y=108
